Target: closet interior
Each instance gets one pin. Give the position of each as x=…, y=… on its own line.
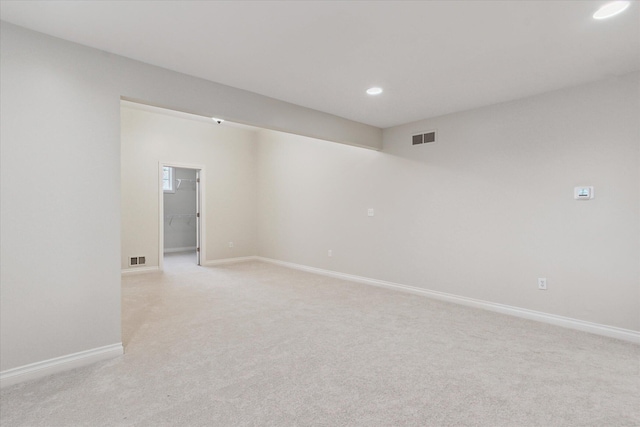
x=180, y=211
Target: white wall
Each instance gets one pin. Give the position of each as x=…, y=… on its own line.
x=60, y=214
x=60, y=245
x=60, y=182
x=180, y=231
x=228, y=157
x=483, y=212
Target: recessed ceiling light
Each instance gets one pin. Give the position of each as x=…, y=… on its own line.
x=611, y=9
x=374, y=90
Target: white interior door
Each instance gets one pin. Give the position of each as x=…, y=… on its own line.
x=198, y=251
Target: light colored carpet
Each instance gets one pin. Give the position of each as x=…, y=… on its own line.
x=255, y=344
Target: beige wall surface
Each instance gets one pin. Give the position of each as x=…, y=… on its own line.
x=228, y=157
x=60, y=181
x=60, y=214
x=481, y=213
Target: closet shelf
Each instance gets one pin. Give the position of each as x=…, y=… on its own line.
x=181, y=180
x=179, y=216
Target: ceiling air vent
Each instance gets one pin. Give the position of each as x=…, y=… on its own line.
x=423, y=138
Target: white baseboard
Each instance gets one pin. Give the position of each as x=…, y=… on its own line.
x=136, y=270
x=210, y=263
x=230, y=260
x=59, y=364
x=566, y=322
x=172, y=250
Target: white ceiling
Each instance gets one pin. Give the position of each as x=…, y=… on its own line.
x=431, y=57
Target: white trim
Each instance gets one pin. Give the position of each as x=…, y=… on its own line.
x=59, y=364
x=187, y=249
x=223, y=261
x=136, y=270
x=566, y=322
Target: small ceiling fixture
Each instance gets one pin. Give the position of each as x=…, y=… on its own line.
x=218, y=121
x=611, y=9
x=374, y=90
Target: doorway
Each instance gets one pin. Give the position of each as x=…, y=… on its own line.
x=181, y=216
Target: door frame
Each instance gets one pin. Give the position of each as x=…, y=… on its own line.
x=200, y=209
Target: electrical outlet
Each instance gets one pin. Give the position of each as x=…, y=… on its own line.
x=230, y=244
x=329, y=252
x=542, y=283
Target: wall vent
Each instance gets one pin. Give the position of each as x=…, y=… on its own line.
x=423, y=138
x=137, y=260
